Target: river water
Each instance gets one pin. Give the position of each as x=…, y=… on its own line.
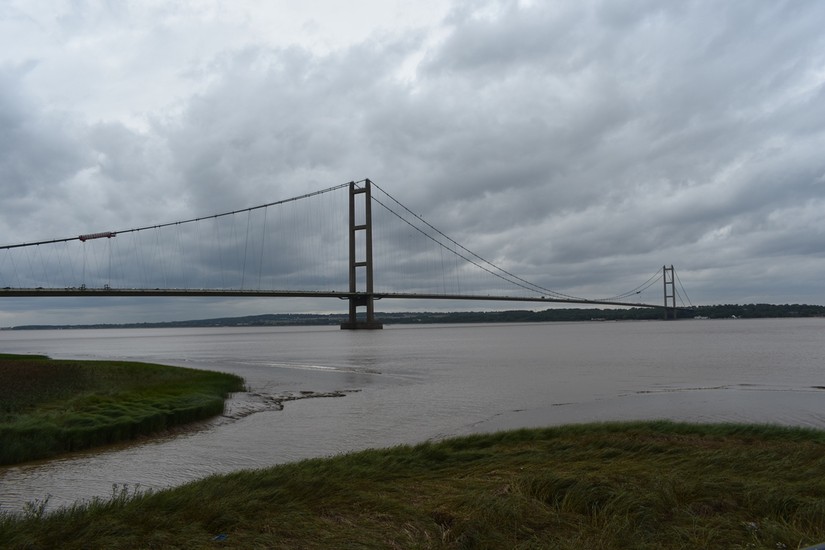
x=321, y=391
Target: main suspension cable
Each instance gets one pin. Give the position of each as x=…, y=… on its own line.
x=683, y=289
x=656, y=277
x=109, y=234
x=523, y=283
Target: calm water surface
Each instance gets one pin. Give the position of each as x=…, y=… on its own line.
x=410, y=384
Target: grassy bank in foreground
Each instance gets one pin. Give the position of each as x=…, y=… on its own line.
x=641, y=485
x=50, y=406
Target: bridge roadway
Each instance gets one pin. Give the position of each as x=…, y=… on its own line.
x=86, y=292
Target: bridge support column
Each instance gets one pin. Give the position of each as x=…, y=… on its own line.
x=360, y=298
x=669, y=279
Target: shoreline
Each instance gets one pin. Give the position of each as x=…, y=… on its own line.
x=732, y=404
x=610, y=485
x=719, y=406
x=436, y=382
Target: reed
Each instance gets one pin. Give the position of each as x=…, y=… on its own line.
x=48, y=407
x=647, y=485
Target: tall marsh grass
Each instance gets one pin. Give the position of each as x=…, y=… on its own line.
x=50, y=406
x=656, y=485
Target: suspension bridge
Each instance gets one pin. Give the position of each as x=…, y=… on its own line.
x=353, y=242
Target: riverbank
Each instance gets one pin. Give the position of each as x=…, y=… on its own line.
x=635, y=485
x=566, y=315
x=49, y=407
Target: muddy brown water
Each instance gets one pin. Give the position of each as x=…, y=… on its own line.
x=321, y=391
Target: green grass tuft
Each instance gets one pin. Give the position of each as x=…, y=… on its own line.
x=656, y=485
x=50, y=406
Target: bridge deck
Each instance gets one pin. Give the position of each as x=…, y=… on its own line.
x=205, y=292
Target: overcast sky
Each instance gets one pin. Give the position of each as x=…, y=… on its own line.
x=582, y=144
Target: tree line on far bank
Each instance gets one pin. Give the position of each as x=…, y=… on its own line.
x=727, y=311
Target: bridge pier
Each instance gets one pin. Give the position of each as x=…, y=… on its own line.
x=365, y=298
x=367, y=322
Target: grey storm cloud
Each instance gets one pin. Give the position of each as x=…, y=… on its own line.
x=579, y=144
x=37, y=150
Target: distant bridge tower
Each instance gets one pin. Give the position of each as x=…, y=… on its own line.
x=360, y=265
x=669, y=279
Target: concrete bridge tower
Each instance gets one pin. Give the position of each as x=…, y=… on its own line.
x=360, y=262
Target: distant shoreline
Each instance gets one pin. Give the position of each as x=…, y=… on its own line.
x=748, y=311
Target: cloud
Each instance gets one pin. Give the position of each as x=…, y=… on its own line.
x=36, y=148
x=579, y=144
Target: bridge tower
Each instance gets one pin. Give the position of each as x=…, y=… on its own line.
x=360, y=265
x=669, y=279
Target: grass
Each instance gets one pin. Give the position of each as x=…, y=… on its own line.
x=48, y=407
x=602, y=486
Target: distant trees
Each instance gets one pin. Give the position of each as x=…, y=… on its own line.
x=753, y=311
x=747, y=311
